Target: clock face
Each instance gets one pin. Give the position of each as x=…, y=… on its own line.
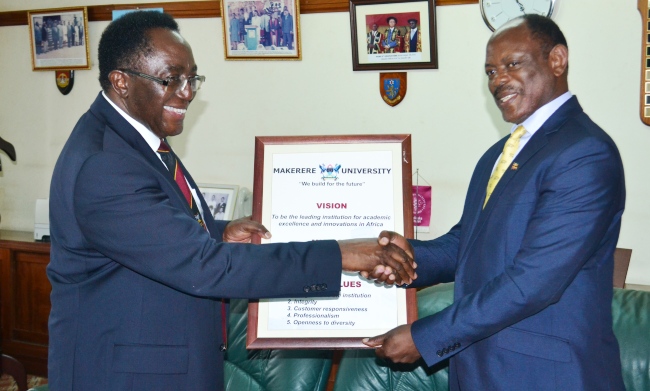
x=497, y=12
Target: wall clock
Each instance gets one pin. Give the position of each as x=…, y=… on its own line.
x=498, y=12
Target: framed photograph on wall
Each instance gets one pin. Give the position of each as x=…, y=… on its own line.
x=393, y=35
x=220, y=199
x=261, y=29
x=59, y=39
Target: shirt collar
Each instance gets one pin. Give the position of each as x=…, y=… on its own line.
x=537, y=119
x=147, y=135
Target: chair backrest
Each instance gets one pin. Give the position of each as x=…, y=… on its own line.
x=621, y=263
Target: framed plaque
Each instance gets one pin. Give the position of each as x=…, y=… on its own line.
x=261, y=29
x=393, y=34
x=332, y=187
x=59, y=39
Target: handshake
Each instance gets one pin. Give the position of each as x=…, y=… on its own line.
x=387, y=259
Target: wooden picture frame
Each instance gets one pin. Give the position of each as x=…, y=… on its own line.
x=261, y=29
x=644, y=98
x=221, y=199
x=59, y=39
x=368, y=180
x=387, y=49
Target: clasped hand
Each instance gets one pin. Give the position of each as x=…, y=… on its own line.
x=387, y=259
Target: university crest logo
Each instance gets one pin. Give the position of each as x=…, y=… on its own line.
x=329, y=171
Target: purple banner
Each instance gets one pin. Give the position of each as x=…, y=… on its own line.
x=421, y=206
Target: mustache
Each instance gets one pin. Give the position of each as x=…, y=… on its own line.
x=501, y=89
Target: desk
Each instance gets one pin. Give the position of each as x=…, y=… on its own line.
x=24, y=299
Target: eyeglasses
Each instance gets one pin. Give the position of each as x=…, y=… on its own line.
x=176, y=83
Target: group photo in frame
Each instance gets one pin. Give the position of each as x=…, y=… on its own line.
x=59, y=39
x=296, y=177
x=261, y=29
x=393, y=35
x=220, y=199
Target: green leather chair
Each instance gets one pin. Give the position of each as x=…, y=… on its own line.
x=631, y=315
x=361, y=370
x=261, y=370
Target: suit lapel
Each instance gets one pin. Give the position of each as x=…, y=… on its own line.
x=474, y=206
x=538, y=141
x=128, y=134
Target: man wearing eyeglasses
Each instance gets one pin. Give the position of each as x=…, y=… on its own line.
x=138, y=265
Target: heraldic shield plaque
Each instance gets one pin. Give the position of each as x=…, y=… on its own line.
x=392, y=87
x=64, y=81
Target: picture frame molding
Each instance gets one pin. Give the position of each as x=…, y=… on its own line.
x=32, y=41
x=357, y=65
x=344, y=142
x=214, y=189
x=259, y=55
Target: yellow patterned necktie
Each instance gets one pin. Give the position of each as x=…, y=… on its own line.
x=507, y=157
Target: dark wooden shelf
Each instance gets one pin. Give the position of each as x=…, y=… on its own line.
x=196, y=9
x=24, y=299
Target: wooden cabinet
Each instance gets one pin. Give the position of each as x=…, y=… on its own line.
x=24, y=299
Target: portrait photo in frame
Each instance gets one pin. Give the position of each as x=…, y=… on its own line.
x=220, y=199
x=393, y=35
x=261, y=29
x=59, y=39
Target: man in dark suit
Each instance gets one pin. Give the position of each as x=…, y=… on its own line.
x=533, y=262
x=138, y=264
x=287, y=29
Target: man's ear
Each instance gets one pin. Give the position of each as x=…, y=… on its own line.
x=120, y=83
x=558, y=59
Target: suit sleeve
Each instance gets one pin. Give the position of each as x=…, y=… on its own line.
x=578, y=206
x=436, y=259
x=127, y=211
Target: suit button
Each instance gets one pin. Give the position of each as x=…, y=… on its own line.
x=222, y=347
x=457, y=345
x=439, y=353
x=306, y=289
x=324, y=287
x=317, y=287
x=445, y=350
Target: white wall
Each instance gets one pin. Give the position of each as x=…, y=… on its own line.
x=443, y=108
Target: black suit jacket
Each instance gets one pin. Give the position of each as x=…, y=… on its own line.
x=136, y=280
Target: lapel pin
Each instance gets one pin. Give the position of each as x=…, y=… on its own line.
x=514, y=167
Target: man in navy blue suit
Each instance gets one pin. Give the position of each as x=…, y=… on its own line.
x=533, y=262
x=138, y=264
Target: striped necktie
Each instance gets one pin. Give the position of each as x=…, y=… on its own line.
x=174, y=167
x=508, y=155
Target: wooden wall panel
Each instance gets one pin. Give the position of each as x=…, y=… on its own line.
x=196, y=9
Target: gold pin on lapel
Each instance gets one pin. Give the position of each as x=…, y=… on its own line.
x=514, y=166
